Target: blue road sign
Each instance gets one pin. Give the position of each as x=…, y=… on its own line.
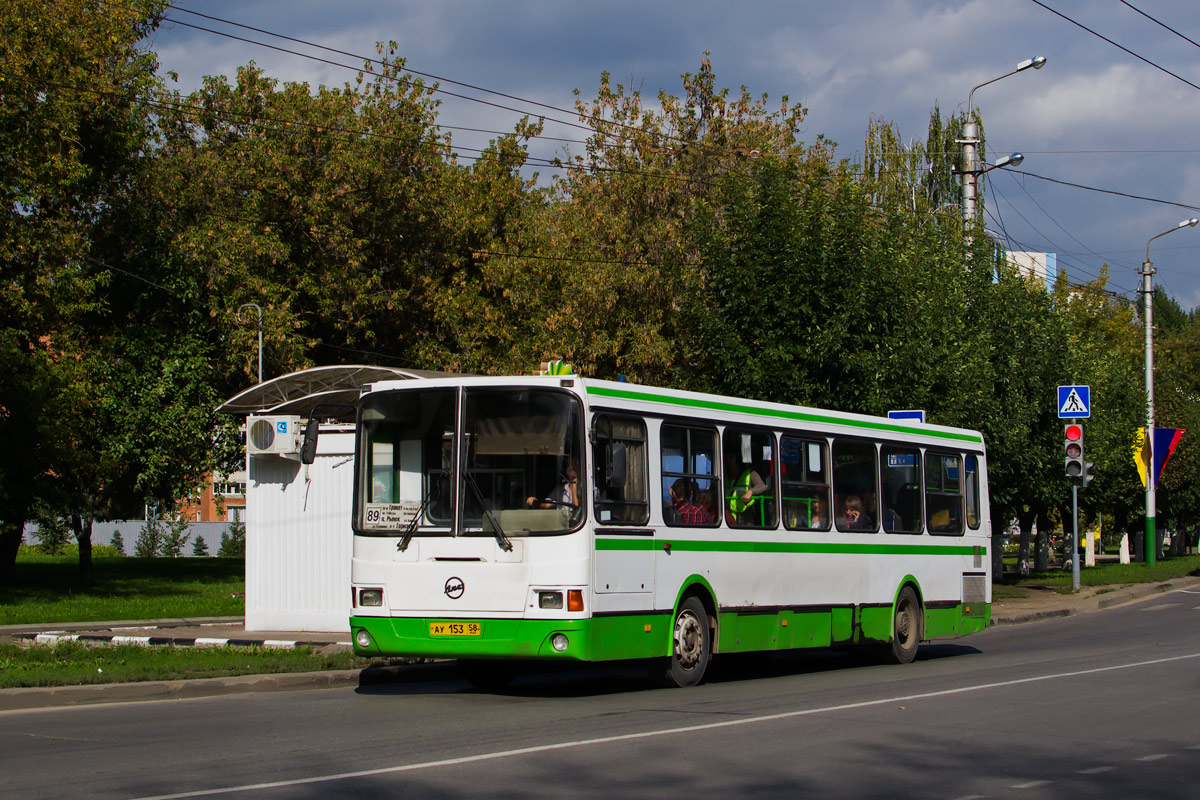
x=1074, y=402
x=915, y=414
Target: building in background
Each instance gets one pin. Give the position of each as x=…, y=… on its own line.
x=222, y=499
x=1040, y=267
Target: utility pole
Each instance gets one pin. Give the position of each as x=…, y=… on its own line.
x=1151, y=545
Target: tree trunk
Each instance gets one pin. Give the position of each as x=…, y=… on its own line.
x=10, y=543
x=82, y=525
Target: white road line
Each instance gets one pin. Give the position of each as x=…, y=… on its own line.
x=1161, y=606
x=1031, y=784
x=627, y=737
x=1154, y=757
x=1095, y=770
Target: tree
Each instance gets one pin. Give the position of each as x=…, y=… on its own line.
x=199, y=546
x=150, y=539
x=176, y=533
x=118, y=543
x=233, y=540
x=73, y=77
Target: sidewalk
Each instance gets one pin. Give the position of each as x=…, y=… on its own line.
x=1032, y=604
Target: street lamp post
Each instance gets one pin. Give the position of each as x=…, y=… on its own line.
x=970, y=144
x=1151, y=543
x=257, y=308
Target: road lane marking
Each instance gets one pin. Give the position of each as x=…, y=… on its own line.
x=1031, y=784
x=627, y=737
x=1161, y=606
x=1154, y=757
x=1096, y=770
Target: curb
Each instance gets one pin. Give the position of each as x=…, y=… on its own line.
x=171, y=641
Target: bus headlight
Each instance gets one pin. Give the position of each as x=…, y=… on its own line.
x=550, y=600
x=362, y=639
x=559, y=642
x=370, y=597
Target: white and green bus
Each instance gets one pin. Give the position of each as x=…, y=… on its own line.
x=501, y=519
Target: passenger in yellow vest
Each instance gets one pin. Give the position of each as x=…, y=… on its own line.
x=742, y=496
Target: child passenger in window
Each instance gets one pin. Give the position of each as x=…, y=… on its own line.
x=681, y=500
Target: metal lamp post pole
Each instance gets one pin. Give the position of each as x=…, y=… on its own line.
x=257, y=308
x=1151, y=543
x=970, y=144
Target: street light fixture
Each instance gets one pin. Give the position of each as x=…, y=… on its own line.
x=1151, y=543
x=257, y=308
x=970, y=143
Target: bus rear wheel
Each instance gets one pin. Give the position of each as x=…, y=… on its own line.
x=907, y=625
x=691, y=644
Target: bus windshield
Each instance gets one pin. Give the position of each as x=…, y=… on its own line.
x=507, y=465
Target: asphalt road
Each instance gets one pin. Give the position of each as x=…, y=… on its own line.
x=1099, y=705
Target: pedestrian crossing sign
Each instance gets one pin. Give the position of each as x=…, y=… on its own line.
x=1074, y=402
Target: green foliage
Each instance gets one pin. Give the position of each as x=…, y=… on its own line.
x=52, y=535
x=150, y=540
x=199, y=547
x=233, y=540
x=175, y=534
x=118, y=543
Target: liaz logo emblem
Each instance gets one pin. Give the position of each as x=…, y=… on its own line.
x=455, y=588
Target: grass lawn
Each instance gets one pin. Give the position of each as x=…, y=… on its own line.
x=47, y=589
x=1109, y=574
x=75, y=664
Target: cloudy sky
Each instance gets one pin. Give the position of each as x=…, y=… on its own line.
x=1095, y=115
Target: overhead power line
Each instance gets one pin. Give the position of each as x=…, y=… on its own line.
x=1159, y=22
x=1158, y=67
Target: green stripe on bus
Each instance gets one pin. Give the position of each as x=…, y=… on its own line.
x=799, y=416
x=824, y=548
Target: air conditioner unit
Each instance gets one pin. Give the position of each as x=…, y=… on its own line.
x=277, y=435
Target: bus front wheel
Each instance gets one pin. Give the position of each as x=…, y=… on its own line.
x=691, y=644
x=906, y=626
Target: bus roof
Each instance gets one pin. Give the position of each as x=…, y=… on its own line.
x=620, y=395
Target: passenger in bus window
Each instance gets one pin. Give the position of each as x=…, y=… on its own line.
x=681, y=500
x=565, y=495
x=820, y=514
x=854, y=518
x=742, y=493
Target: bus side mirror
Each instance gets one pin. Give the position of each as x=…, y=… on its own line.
x=615, y=465
x=308, y=450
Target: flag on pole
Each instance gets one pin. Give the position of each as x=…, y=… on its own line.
x=1165, y=441
x=1141, y=453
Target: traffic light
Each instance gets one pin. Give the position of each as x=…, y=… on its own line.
x=1087, y=474
x=1073, y=450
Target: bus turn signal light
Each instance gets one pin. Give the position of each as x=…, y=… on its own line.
x=575, y=600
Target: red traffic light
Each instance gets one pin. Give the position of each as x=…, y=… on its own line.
x=1074, y=450
x=1073, y=433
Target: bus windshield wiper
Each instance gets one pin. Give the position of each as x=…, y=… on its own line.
x=505, y=544
x=406, y=539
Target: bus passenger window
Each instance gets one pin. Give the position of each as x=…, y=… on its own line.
x=805, y=482
x=973, y=517
x=943, y=493
x=854, y=485
x=689, y=475
x=619, y=455
x=900, y=480
x=750, y=478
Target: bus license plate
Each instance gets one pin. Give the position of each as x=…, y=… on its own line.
x=455, y=629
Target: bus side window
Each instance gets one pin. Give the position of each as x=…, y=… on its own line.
x=805, y=482
x=619, y=456
x=973, y=515
x=900, y=481
x=689, y=476
x=854, y=485
x=750, y=478
x=943, y=493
